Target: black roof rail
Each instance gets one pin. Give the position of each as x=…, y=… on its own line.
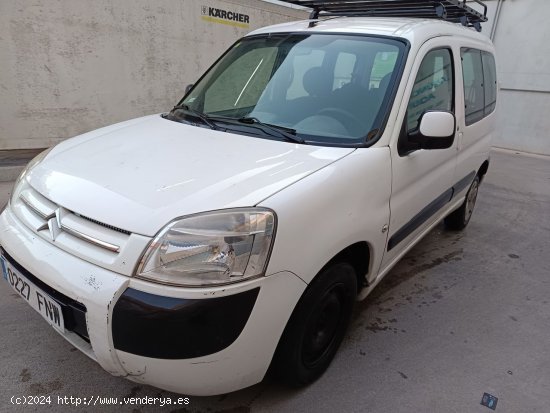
x=456, y=11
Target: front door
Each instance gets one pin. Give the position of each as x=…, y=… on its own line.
x=422, y=180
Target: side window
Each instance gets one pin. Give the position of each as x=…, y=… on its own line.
x=490, y=83
x=474, y=93
x=343, y=69
x=433, y=88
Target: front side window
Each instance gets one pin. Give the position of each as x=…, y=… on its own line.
x=433, y=87
x=326, y=88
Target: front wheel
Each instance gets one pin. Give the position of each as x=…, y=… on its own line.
x=458, y=219
x=316, y=327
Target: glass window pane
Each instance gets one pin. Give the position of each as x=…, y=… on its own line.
x=318, y=85
x=343, y=70
x=474, y=93
x=433, y=87
x=300, y=66
x=242, y=83
x=490, y=75
x=384, y=62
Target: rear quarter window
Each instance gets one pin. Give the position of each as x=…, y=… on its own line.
x=490, y=82
x=480, y=84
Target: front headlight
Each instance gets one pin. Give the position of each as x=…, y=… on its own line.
x=20, y=179
x=212, y=248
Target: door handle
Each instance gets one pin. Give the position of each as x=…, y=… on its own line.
x=459, y=143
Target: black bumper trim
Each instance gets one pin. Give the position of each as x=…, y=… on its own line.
x=161, y=327
x=74, y=313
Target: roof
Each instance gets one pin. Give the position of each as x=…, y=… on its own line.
x=413, y=29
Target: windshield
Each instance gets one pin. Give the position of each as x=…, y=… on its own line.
x=325, y=88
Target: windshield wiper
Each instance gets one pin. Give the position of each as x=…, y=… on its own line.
x=285, y=133
x=273, y=130
x=202, y=116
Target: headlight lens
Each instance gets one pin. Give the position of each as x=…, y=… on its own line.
x=213, y=248
x=20, y=179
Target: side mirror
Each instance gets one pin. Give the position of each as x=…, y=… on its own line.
x=436, y=130
x=189, y=87
x=437, y=125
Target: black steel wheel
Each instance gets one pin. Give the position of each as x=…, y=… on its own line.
x=317, y=326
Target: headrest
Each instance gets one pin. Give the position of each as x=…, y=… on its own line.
x=317, y=81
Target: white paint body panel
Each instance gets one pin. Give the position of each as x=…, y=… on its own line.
x=141, y=174
x=421, y=176
x=319, y=216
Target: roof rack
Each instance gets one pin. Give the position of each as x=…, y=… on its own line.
x=455, y=11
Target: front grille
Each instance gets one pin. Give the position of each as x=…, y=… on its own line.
x=61, y=225
x=80, y=235
x=122, y=231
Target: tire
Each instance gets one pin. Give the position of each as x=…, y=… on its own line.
x=458, y=219
x=316, y=327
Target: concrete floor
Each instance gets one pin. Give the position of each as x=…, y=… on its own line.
x=462, y=314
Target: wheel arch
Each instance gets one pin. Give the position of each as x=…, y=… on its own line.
x=483, y=169
x=358, y=255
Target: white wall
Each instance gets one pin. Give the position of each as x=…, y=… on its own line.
x=522, y=40
x=70, y=66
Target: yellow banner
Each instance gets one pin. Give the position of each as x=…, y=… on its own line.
x=226, y=22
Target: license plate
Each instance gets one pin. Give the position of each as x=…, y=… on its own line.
x=38, y=299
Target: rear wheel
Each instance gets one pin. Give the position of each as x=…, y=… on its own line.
x=458, y=220
x=316, y=327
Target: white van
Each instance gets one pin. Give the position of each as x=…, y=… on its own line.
x=195, y=249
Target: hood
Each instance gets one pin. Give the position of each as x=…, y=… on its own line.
x=141, y=174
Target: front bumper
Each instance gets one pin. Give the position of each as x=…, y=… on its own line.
x=154, y=326
x=193, y=341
